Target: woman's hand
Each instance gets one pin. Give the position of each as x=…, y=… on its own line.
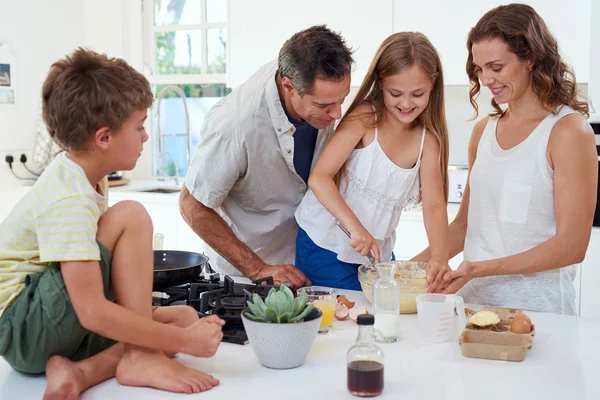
x=459, y=278
x=364, y=243
x=436, y=271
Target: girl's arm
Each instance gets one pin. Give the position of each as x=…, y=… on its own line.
x=321, y=181
x=457, y=229
x=435, y=214
x=572, y=155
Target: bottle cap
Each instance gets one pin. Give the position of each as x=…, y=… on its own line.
x=365, y=319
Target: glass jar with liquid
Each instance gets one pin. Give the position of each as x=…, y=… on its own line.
x=386, y=304
x=365, y=361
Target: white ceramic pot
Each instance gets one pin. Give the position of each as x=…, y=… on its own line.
x=282, y=346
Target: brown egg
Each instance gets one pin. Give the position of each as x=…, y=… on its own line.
x=520, y=326
x=522, y=317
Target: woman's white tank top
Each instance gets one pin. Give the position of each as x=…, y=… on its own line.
x=511, y=210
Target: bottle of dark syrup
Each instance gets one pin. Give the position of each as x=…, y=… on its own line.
x=365, y=361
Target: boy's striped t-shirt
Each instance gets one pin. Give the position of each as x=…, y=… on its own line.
x=57, y=220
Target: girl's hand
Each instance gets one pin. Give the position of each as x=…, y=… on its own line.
x=459, y=278
x=435, y=281
x=363, y=243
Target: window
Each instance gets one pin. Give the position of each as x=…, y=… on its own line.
x=186, y=52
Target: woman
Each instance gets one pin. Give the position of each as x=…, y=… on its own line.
x=526, y=218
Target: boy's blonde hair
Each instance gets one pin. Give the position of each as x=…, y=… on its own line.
x=86, y=91
x=397, y=53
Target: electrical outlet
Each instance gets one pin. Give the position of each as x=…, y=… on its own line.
x=9, y=159
x=23, y=158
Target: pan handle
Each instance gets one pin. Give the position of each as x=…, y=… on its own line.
x=208, y=268
x=209, y=273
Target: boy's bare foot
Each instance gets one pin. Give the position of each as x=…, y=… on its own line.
x=65, y=380
x=141, y=368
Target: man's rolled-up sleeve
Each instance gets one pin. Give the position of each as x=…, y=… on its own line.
x=218, y=163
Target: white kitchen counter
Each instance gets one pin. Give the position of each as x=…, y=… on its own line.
x=561, y=365
x=142, y=185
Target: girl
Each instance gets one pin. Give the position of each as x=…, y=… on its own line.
x=390, y=149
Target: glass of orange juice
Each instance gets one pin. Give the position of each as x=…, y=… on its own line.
x=324, y=299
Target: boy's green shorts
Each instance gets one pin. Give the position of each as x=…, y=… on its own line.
x=41, y=322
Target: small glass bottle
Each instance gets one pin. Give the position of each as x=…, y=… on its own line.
x=158, y=242
x=365, y=361
x=386, y=304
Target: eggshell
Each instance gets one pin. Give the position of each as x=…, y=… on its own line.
x=341, y=311
x=356, y=311
x=344, y=300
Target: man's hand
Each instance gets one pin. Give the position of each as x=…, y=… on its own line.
x=436, y=271
x=202, y=338
x=281, y=274
x=459, y=278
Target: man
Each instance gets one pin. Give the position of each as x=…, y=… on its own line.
x=256, y=149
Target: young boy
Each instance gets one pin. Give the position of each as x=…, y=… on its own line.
x=65, y=257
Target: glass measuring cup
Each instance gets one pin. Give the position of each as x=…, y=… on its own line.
x=436, y=317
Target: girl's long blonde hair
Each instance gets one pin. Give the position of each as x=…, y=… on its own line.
x=398, y=52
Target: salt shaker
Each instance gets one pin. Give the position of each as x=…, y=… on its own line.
x=386, y=303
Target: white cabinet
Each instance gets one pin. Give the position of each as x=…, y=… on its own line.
x=590, y=279
x=257, y=29
x=164, y=219
x=447, y=25
x=411, y=239
x=162, y=211
x=187, y=239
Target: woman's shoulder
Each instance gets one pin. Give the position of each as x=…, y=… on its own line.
x=571, y=127
x=481, y=124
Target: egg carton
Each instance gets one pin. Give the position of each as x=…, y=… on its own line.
x=497, y=342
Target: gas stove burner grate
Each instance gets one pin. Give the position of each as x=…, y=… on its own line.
x=210, y=296
x=233, y=303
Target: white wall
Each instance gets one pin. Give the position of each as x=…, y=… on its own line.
x=570, y=24
x=41, y=32
x=258, y=29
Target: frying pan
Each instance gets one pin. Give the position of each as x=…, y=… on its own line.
x=173, y=267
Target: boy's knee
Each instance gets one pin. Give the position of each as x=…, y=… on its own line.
x=187, y=316
x=131, y=212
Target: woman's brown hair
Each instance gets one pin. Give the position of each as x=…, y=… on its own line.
x=398, y=52
x=528, y=37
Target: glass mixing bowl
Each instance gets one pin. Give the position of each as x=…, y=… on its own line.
x=410, y=275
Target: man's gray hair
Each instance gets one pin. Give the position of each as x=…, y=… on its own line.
x=314, y=53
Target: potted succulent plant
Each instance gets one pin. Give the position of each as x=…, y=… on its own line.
x=281, y=329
